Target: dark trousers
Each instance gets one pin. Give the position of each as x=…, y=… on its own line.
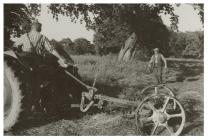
x=157, y=71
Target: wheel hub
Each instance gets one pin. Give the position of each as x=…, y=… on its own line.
x=159, y=117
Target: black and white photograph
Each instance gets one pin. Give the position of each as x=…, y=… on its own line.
x=103, y=69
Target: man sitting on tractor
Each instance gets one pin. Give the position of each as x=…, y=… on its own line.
x=36, y=46
x=35, y=42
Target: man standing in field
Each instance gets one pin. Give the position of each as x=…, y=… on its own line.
x=157, y=62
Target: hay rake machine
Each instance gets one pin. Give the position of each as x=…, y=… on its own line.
x=158, y=113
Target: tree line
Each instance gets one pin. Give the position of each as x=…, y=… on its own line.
x=79, y=46
x=178, y=45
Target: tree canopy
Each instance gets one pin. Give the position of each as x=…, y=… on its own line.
x=83, y=46
x=95, y=14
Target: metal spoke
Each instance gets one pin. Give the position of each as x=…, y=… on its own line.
x=174, y=115
x=174, y=105
x=147, y=120
x=165, y=105
x=145, y=107
x=145, y=110
x=168, y=128
x=151, y=106
x=154, y=129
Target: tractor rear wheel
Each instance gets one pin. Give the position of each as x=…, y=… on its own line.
x=16, y=94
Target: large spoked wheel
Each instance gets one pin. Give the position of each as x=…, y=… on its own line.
x=160, y=115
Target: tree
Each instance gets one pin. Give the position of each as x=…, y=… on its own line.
x=177, y=43
x=110, y=36
x=118, y=37
x=60, y=48
x=200, y=8
x=83, y=46
x=194, y=45
x=68, y=45
x=17, y=18
x=188, y=44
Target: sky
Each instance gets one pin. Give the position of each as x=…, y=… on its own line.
x=64, y=28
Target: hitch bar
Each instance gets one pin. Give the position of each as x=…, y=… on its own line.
x=116, y=100
x=121, y=102
x=79, y=81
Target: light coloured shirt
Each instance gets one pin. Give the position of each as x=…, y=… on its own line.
x=41, y=45
x=155, y=61
x=156, y=58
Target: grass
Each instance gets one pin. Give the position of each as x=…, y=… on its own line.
x=113, y=75
x=125, y=80
x=118, y=79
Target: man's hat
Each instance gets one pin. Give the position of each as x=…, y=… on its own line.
x=155, y=49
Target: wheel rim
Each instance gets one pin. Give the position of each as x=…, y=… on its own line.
x=162, y=89
x=166, y=117
x=7, y=97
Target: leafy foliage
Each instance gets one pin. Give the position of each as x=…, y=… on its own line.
x=17, y=18
x=194, y=45
x=200, y=8
x=177, y=43
x=82, y=46
x=189, y=44
x=94, y=14
x=67, y=45
x=110, y=36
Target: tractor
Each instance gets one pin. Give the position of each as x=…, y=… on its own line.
x=37, y=83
